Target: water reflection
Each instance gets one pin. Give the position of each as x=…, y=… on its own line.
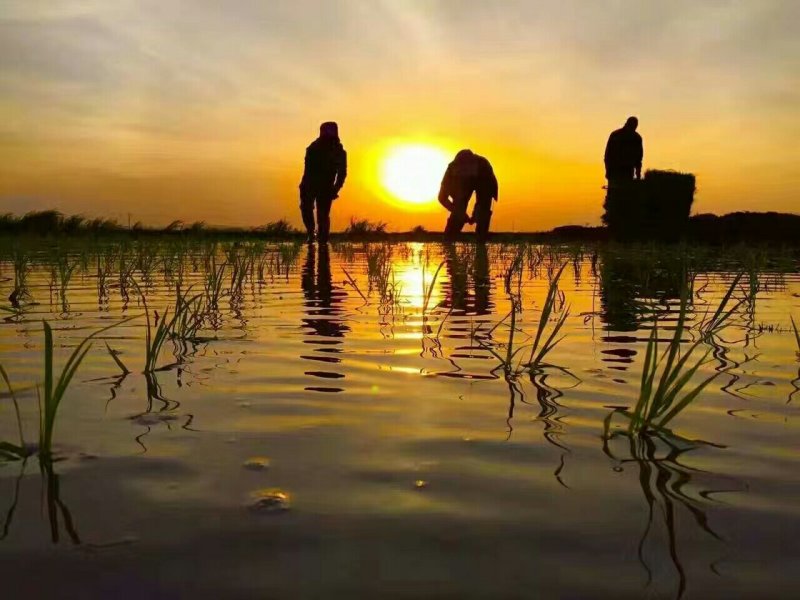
x=469, y=287
x=58, y=515
x=629, y=280
x=323, y=320
x=665, y=484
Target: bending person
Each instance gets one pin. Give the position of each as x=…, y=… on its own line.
x=323, y=178
x=468, y=173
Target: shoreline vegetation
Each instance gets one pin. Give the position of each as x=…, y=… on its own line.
x=752, y=227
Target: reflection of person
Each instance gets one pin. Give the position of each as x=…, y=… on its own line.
x=323, y=178
x=457, y=295
x=322, y=301
x=468, y=173
x=624, y=153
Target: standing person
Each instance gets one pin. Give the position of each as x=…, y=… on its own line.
x=323, y=178
x=624, y=153
x=468, y=173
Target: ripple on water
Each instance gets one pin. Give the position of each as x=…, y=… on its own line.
x=269, y=501
x=257, y=463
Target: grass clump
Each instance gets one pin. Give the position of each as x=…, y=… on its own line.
x=365, y=228
x=664, y=390
x=55, y=386
x=544, y=340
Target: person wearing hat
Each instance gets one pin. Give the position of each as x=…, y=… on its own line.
x=323, y=177
x=468, y=173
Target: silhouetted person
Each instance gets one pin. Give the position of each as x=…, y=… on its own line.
x=468, y=173
x=624, y=153
x=323, y=178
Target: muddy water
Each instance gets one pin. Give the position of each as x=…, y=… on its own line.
x=330, y=432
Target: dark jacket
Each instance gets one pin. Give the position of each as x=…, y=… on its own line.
x=325, y=167
x=462, y=177
x=624, y=150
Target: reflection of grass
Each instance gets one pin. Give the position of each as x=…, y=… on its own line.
x=663, y=480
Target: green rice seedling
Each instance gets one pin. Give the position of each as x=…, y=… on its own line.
x=56, y=386
x=663, y=397
x=540, y=349
x=544, y=341
x=21, y=269
x=427, y=289
x=354, y=284
x=114, y=354
x=214, y=283
x=62, y=270
x=146, y=260
x=190, y=313
x=241, y=264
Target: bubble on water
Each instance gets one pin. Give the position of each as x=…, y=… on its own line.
x=244, y=404
x=420, y=484
x=231, y=440
x=618, y=469
x=257, y=463
x=269, y=501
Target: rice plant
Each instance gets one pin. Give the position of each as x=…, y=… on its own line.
x=214, y=282
x=539, y=349
x=544, y=340
x=796, y=334
x=664, y=389
x=50, y=398
x=21, y=269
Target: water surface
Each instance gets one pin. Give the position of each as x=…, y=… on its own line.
x=363, y=383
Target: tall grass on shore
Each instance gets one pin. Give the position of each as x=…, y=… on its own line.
x=365, y=228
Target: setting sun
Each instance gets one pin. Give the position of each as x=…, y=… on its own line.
x=412, y=172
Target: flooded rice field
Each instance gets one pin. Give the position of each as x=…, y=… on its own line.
x=398, y=420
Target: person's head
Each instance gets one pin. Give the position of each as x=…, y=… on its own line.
x=463, y=156
x=329, y=129
x=632, y=123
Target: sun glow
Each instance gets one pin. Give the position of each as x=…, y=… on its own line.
x=412, y=173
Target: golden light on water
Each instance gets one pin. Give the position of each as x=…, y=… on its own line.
x=411, y=173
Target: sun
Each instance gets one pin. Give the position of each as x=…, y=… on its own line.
x=412, y=173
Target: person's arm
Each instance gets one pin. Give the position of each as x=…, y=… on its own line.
x=639, y=156
x=306, y=168
x=341, y=172
x=444, y=190
x=609, y=150
x=494, y=185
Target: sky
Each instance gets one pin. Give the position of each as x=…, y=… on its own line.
x=201, y=110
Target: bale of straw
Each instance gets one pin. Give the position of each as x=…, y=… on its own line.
x=657, y=207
